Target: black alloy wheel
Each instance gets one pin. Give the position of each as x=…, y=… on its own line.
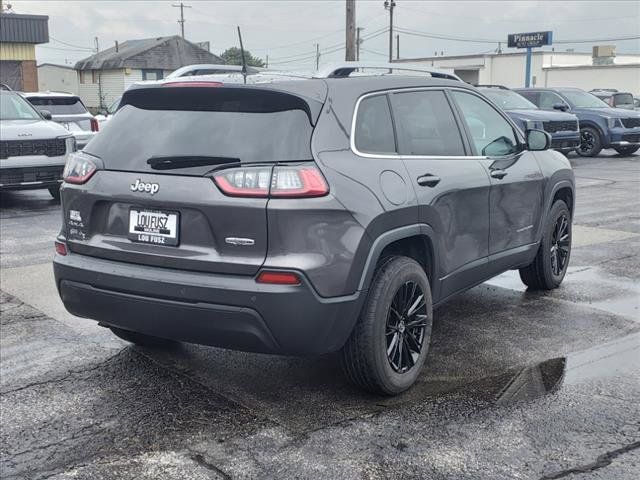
x=549, y=267
x=406, y=327
x=560, y=245
x=590, y=142
x=389, y=343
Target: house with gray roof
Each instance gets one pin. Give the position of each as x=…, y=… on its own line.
x=105, y=76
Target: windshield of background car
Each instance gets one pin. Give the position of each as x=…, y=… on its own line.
x=508, y=99
x=581, y=99
x=111, y=109
x=623, y=100
x=59, y=105
x=14, y=107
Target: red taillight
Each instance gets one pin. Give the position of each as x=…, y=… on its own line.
x=298, y=181
x=94, y=125
x=295, y=181
x=278, y=278
x=192, y=84
x=78, y=169
x=61, y=248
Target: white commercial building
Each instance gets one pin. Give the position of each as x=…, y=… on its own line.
x=57, y=78
x=548, y=69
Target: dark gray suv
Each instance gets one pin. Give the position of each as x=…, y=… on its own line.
x=307, y=216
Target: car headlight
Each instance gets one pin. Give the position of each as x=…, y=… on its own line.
x=533, y=125
x=71, y=144
x=613, y=122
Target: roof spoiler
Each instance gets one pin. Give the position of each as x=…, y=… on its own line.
x=344, y=69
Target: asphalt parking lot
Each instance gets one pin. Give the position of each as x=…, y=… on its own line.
x=517, y=384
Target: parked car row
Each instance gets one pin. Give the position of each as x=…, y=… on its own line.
x=586, y=122
x=601, y=126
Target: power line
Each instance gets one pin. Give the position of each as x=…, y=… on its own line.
x=597, y=40
x=70, y=44
x=485, y=40
x=311, y=40
x=506, y=20
x=374, y=52
x=62, y=49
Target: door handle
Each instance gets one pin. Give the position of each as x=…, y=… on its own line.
x=428, y=180
x=499, y=174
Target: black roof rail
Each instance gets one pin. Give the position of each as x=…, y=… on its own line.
x=344, y=69
x=4, y=86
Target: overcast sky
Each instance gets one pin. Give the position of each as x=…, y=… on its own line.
x=287, y=31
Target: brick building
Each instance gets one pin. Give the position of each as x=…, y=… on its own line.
x=19, y=35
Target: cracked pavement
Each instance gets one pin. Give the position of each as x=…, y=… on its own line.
x=517, y=384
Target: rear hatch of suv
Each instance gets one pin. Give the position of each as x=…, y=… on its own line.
x=67, y=110
x=185, y=172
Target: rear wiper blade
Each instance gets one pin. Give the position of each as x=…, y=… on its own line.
x=187, y=161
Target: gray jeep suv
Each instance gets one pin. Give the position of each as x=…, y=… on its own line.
x=307, y=216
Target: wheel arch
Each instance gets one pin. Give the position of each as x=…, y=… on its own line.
x=594, y=124
x=414, y=241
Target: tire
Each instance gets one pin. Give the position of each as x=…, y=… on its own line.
x=627, y=150
x=548, y=269
x=55, y=192
x=374, y=357
x=141, y=339
x=590, y=142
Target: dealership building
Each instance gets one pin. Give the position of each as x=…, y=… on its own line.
x=601, y=68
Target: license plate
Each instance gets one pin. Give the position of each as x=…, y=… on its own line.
x=153, y=226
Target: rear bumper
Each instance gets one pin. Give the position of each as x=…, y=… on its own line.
x=225, y=311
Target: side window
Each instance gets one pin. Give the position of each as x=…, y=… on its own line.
x=490, y=132
x=425, y=124
x=549, y=99
x=374, y=129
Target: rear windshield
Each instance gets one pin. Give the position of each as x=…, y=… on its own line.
x=623, y=99
x=59, y=105
x=172, y=126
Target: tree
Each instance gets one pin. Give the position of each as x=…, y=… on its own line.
x=233, y=56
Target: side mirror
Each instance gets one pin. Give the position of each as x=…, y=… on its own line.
x=538, y=140
x=46, y=114
x=560, y=106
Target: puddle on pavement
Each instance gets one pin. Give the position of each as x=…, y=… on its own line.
x=603, y=291
x=608, y=360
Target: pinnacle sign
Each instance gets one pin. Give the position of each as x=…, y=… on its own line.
x=529, y=40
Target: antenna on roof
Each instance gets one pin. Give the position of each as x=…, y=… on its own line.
x=244, y=60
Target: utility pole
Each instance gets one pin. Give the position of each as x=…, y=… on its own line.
x=182, y=20
x=397, y=47
x=358, y=42
x=100, y=98
x=267, y=61
x=390, y=5
x=350, y=50
x=317, y=56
